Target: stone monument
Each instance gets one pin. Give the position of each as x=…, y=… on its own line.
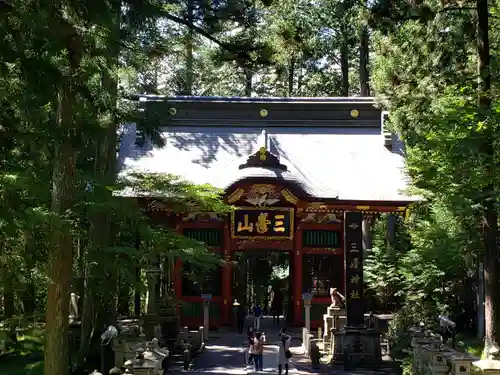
x=360, y=345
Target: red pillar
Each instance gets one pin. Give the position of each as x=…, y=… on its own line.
x=297, y=279
x=226, y=280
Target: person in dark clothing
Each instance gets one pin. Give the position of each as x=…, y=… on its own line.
x=241, y=314
x=277, y=306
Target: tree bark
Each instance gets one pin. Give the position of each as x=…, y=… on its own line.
x=364, y=76
x=137, y=293
x=189, y=49
x=490, y=219
x=248, y=81
x=100, y=303
x=291, y=75
x=61, y=254
x=344, y=62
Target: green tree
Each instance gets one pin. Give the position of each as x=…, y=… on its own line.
x=425, y=74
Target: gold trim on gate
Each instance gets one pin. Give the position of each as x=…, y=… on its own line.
x=269, y=238
x=362, y=208
x=235, y=195
x=289, y=196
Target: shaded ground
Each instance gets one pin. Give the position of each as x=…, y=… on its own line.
x=21, y=365
x=26, y=358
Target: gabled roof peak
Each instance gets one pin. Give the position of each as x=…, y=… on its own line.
x=264, y=159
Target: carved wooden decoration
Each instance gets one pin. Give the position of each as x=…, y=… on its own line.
x=262, y=195
x=320, y=218
x=235, y=196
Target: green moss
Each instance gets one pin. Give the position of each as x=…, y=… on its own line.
x=472, y=345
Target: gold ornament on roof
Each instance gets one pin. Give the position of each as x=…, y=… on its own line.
x=263, y=112
x=262, y=153
x=172, y=111
x=354, y=113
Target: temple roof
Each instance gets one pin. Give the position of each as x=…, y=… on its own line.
x=349, y=162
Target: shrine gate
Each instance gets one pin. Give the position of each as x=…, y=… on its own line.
x=291, y=167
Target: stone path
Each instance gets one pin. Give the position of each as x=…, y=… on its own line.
x=223, y=355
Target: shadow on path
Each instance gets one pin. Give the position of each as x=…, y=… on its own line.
x=224, y=355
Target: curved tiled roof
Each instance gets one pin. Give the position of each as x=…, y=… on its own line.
x=345, y=163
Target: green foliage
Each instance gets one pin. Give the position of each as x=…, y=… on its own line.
x=406, y=366
x=382, y=268
x=425, y=73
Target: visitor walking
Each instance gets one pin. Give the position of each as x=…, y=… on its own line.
x=284, y=353
x=251, y=346
x=241, y=314
x=257, y=314
x=235, y=310
x=260, y=339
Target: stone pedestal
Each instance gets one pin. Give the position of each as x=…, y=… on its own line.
x=340, y=322
x=335, y=311
x=120, y=353
x=361, y=348
x=330, y=320
x=488, y=366
x=434, y=357
x=150, y=322
x=460, y=364
x=337, y=339
x=417, y=342
x=328, y=324
x=305, y=332
x=307, y=314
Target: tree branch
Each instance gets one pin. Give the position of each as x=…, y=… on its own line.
x=207, y=35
